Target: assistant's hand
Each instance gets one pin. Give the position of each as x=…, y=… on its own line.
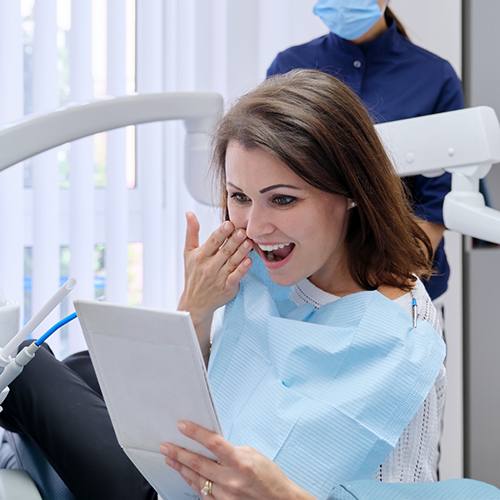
x=213, y=270
x=241, y=473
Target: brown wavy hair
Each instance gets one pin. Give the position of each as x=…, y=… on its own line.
x=317, y=126
x=399, y=25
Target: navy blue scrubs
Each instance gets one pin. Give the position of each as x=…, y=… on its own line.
x=395, y=79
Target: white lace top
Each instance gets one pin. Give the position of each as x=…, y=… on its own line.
x=414, y=459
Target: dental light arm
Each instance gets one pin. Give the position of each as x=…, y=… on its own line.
x=465, y=143
x=36, y=134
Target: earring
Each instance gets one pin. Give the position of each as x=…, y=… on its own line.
x=352, y=204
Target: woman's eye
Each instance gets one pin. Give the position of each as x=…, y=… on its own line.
x=283, y=200
x=240, y=197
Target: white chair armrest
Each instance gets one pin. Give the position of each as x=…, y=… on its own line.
x=16, y=484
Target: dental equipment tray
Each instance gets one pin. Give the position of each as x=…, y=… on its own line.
x=152, y=375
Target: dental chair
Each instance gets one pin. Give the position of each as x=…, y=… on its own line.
x=465, y=143
x=25, y=472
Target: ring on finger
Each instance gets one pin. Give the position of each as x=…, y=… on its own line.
x=207, y=489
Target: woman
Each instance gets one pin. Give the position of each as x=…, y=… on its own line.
x=318, y=372
x=308, y=186
x=369, y=50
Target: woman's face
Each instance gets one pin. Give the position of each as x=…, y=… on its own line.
x=298, y=230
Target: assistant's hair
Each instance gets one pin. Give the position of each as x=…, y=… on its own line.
x=399, y=25
x=314, y=124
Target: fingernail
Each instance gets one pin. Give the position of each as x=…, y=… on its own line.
x=169, y=462
x=164, y=449
x=240, y=234
x=228, y=226
x=247, y=262
x=181, y=426
x=246, y=244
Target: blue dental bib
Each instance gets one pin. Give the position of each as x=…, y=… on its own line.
x=323, y=393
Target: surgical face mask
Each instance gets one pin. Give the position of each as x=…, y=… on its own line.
x=349, y=19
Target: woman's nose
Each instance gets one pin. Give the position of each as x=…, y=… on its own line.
x=258, y=224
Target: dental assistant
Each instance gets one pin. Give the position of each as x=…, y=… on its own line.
x=368, y=49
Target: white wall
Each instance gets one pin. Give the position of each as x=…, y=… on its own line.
x=435, y=26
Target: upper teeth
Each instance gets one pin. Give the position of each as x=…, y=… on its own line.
x=270, y=248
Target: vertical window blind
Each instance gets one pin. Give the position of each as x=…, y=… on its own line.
x=109, y=209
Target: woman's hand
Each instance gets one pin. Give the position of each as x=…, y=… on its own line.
x=241, y=473
x=212, y=272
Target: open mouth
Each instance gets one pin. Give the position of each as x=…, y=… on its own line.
x=276, y=253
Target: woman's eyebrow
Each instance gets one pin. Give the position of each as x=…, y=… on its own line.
x=265, y=190
x=276, y=186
